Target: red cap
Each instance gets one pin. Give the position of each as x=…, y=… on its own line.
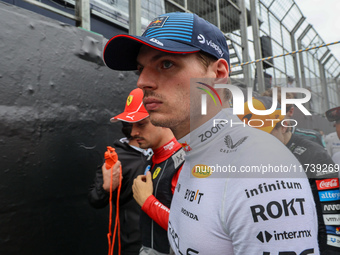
x=134, y=109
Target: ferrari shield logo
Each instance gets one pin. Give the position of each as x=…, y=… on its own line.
x=129, y=100
x=155, y=174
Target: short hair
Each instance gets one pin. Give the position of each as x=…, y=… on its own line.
x=205, y=58
x=126, y=129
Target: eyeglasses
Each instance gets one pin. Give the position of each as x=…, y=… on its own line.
x=333, y=114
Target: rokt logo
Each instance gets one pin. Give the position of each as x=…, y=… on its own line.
x=275, y=210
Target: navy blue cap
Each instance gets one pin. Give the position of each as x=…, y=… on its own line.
x=176, y=32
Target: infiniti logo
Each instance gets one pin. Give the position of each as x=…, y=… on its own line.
x=201, y=38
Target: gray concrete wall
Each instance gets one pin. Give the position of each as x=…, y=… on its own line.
x=55, y=104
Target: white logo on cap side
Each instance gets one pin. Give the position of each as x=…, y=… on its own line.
x=201, y=38
x=210, y=43
x=156, y=41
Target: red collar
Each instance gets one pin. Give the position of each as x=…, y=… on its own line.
x=164, y=152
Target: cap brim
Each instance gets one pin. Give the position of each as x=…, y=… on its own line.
x=131, y=118
x=120, y=52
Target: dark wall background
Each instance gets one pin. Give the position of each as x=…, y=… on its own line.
x=55, y=104
x=56, y=99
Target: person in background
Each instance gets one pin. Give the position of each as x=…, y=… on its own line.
x=133, y=160
x=332, y=142
x=290, y=82
x=179, y=57
x=151, y=183
x=319, y=167
x=333, y=145
x=153, y=190
x=309, y=134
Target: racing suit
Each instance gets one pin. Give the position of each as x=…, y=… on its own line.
x=165, y=167
x=311, y=135
x=221, y=207
x=324, y=181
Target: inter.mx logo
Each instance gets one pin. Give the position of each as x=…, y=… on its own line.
x=238, y=99
x=265, y=236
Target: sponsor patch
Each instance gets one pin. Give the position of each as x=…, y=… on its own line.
x=333, y=230
x=299, y=150
x=331, y=219
x=169, y=146
x=186, y=147
x=333, y=240
x=156, y=41
x=189, y=214
x=278, y=209
x=332, y=183
x=269, y=187
x=178, y=158
x=265, y=236
x=193, y=195
x=157, y=22
x=156, y=172
x=229, y=142
x=330, y=207
x=329, y=195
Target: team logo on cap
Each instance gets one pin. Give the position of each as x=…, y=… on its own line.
x=129, y=100
x=156, y=41
x=201, y=38
x=158, y=22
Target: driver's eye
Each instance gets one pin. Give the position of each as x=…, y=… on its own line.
x=167, y=64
